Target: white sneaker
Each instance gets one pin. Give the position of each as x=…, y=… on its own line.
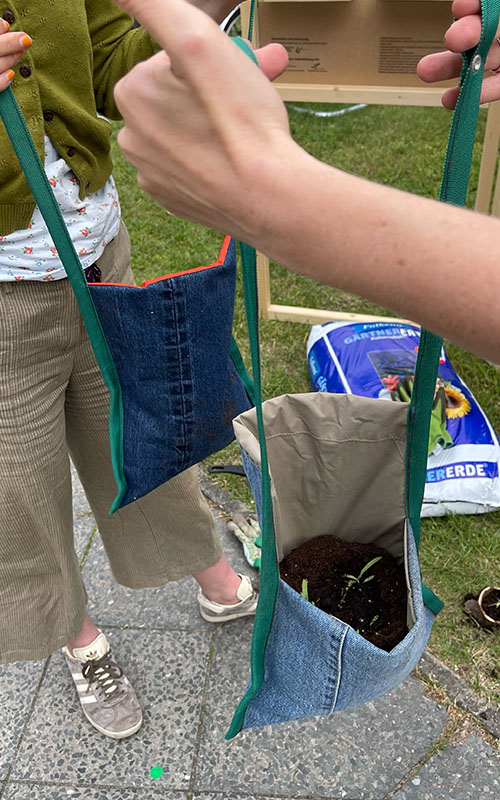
x=217, y=612
x=105, y=693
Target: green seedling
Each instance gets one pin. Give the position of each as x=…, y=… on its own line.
x=357, y=580
x=305, y=591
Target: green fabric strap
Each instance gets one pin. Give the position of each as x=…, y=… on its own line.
x=30, y=163
x=242, y=370
x=453, y=190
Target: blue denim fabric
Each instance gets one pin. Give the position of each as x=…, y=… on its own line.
x=315, y=664
x=170, y=341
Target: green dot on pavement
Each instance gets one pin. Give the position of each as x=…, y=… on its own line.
x=156, y=772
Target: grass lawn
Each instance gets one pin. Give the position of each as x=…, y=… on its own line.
x=402, y=147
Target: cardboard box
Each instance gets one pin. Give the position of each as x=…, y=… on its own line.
x=360, y=42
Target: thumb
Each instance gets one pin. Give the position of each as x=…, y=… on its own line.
x=273, y=60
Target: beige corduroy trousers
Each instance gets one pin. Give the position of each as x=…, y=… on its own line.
x=53, y=405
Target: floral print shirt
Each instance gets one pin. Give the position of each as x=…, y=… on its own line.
x=92, y=223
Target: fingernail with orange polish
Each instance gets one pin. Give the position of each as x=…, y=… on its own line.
x=10, y=75
x=7, y=26
x=25, y=41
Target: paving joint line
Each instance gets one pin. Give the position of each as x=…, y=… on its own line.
x=447, y=735
x=26, y=722
x=88, y=546
x=201, y=720
x=151, y=629
x=265, y=796
x=105, y=786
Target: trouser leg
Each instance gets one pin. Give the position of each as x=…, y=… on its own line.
x=42, y=598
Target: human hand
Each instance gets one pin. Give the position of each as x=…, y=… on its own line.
x=462, y=34
x=12, y=47
x=201, y=122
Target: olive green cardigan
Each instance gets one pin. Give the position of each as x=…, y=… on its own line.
x=80, y=50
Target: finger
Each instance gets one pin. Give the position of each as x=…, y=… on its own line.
x=463, y=34
x=439, y=67
x=12, y=43
x=273, y=59
x=6, y=79
x=490, y=92
x=12, y=49
x=461, y=8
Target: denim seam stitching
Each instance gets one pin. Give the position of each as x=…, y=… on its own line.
x=339, y=670
x=182, y=366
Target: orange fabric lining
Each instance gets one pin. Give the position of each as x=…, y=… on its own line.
x=217, y=263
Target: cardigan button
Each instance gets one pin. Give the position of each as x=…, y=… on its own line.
x=48, y=115
x=70, y=151
x=9, y=17
x=25, y=71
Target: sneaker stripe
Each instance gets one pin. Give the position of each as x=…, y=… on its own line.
x=89, y=699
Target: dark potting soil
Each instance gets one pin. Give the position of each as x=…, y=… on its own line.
x=491, y=604
x=375, y=608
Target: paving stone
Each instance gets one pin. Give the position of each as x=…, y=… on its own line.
x=361, y=753
x=167, y=671
x=59, y=792
x=469, y=770
x=171, y=606
x=18, y=682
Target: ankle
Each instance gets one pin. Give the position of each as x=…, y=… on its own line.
x=219, y=583
x=225, y=595
x=86, y=636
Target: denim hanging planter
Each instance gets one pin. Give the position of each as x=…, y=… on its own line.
x=337, y=467
x=170, y=341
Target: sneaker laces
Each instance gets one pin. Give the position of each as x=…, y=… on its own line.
x=106, y=674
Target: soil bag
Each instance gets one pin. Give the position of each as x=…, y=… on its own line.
x=354, y=467
x=175, y=376
x=377, y=359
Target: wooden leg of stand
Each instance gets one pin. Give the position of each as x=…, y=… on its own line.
x=263, y=285
x=489, y=158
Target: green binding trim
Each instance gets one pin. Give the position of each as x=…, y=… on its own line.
x=242, y=370
x=453, y=190
x=455, y=180
x=243, y=45
x=269, y=576
x=25, y=149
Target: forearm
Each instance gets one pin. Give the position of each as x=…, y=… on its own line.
x=426, y=261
